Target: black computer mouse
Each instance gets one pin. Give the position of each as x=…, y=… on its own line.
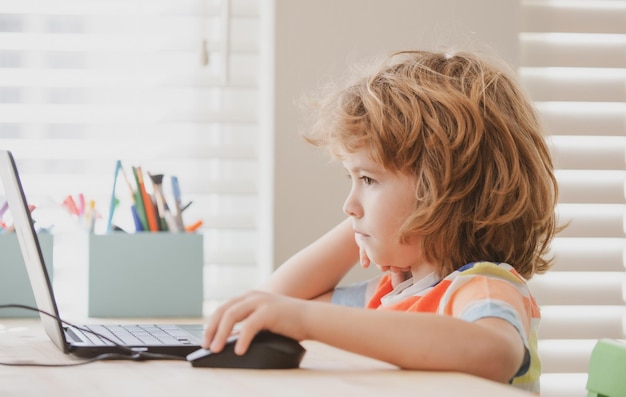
x=267, y=350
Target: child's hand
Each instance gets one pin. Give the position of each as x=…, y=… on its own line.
x=255, y=311
x=363, y=258
x=398, y=275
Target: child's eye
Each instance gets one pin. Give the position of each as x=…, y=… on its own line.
x=367, y=180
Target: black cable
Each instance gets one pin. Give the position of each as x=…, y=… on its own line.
x=104, y=356
x=132, y=354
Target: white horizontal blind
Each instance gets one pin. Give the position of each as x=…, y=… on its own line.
x=574, y=65
x=170, y=85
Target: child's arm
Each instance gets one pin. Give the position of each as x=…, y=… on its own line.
x=490, y=347
x=318, y=268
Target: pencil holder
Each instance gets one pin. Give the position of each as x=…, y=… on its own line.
x=145, y=275
x=14, y=283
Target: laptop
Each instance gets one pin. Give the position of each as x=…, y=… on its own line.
x=153, y=341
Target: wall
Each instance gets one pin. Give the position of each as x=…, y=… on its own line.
x=312, y=42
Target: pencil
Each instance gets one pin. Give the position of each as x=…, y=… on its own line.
x=148, y=205
x=139, y=205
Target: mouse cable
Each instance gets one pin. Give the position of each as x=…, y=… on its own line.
x=131, y=354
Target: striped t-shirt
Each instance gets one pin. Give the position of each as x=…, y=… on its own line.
x=476, y=290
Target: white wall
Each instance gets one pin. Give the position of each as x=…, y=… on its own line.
x=313, y=41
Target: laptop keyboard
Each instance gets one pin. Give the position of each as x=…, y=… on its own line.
x=135, y=335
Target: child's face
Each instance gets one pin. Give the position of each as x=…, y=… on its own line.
x=379, y=203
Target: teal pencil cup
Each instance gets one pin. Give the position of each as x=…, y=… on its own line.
x=145, y=275
x=14, y=284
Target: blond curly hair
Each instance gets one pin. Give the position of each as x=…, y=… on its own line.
x=464, y=128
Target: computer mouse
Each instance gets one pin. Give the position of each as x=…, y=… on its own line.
x=267, y=350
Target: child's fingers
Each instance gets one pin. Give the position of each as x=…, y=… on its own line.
x=220, y=325
x=363, y=258
x=211, y=327
x=254, y=323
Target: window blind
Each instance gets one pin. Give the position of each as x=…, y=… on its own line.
x=574, y=67
x=170, y=85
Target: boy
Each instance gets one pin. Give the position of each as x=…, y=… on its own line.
x=453, y=195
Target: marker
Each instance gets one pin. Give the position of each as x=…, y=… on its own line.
x=4, y=209
x=177, y=203
x=136, y=220
x=91, y=215
x=81, y=204
x=157, y=184
x=139, y=204
x=148, y=205
x=112, y=203
x=70, y=204
x=193, y=227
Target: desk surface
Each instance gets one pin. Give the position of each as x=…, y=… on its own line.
x=324, y=370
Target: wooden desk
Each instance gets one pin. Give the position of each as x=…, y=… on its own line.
x=325, y=371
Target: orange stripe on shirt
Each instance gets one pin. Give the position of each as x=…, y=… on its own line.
x=483, y=288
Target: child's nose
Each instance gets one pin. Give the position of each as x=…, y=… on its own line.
x=351, y=207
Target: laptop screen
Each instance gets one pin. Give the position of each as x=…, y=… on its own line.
x=29, y=245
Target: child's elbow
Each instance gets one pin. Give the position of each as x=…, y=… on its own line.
x=501, y=365
x=499, y=353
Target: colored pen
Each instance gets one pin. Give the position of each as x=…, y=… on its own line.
x=157, y=184
x=148, y=205
x=81, y=204
x=177, y=203
x=139, y=204
x=172, y=225
x=130, y=188
x=91, y=215
x=193, y=227
x=118, y=166
x=136, y=220
x=4, y=209
x=70, y=204
x=186, y=206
